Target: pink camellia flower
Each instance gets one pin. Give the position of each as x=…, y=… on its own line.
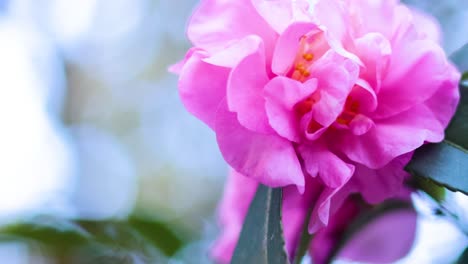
x=323, y=97
x=384, y=240
x=334, y=89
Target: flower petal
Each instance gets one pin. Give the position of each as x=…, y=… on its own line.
x=287, y=46
x=202, y=87
x=257, y=155
x=281, y=95
x=319, y=161
x=208, y=26
x=392, y=137
x=376, y=186
x=417, y=70
x=281, y=13
x=245, y=90
x=426, y=26
x=360, y=125
x=231, y=55
x=385, y=240
x=336, y=77
x=374, y=50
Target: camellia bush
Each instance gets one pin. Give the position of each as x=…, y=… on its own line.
x=330, y=113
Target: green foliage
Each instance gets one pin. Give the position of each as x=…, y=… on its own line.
x=442, y=163
x=49, y=231
x=304, y=243
x=261, y=240
x=84, y=241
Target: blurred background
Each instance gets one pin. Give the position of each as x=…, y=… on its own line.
x=92, y=129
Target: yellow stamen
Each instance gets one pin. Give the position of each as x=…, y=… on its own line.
x=308, y=56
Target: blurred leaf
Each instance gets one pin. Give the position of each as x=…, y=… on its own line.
x=446, y=163
x=135, y=238
x=457, y=131
x=158, y=233
x=50, y=231
x=442, y=163
x=261, y=240
x=137, y=231
x=460, y=58
x=463, y=258
x=434, y=190
x=366, y=220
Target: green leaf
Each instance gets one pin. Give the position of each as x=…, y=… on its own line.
x=49, y=231
x=304, y=243
x=457, y=131
x=444, y=164
x=431, y=188
x=137, y=232
x=157, y=233
x=137, y=236
x=261, y=239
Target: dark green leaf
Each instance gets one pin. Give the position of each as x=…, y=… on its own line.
x=457, y=131
x=365, y=220
x=463, y=258
x=304, y=243
x=261, y=240
x=443, y=164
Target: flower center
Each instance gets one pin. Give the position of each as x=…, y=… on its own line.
x=303, y=60
x=351, y=109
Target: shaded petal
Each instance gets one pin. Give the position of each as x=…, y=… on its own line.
x=319, y=161
x=202, y=87
x=364, y=94
x=385, y=240
x=257, y=155
x=376, y=186
x=326, y=239
x=245, y=90
x=322, y=210
x=281, y=95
